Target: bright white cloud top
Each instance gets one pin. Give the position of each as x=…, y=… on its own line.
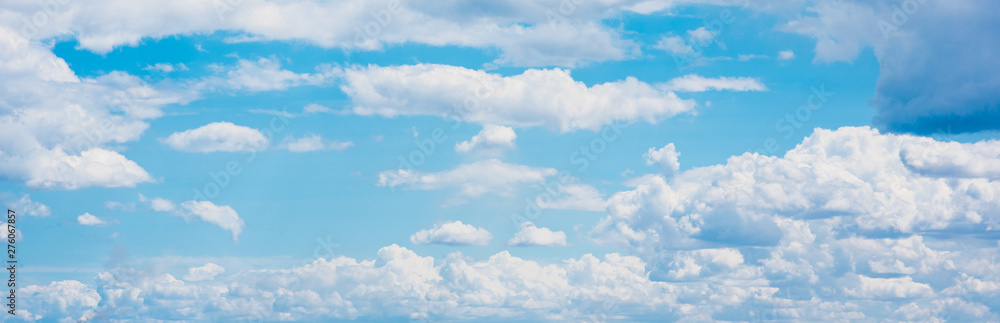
x=530, y=235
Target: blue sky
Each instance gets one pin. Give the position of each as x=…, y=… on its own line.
x=710, y=160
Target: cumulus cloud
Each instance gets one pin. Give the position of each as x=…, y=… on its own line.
x=314, y=143
x=220, y=215
x=549, y=98
x=61, y=127
x=453, y=233
x=398, y=284
x=206, y=272
x=697, y=83
x=530, y=235
x=846, y=217
x=25, y=205
x=471, y=180
x=492, y=140
x=665, y=159
x=91, y=220
x=218, y=136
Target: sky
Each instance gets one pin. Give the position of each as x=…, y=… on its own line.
x=546, y=160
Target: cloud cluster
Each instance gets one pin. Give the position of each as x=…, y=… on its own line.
x=848, y=218
x=61, y=129
x=839, y=228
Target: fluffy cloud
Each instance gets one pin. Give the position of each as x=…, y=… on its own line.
x=549, y=98
x=697, y=83
x=845, y=219
x=314, y=143
x=530, y=235
x=24, y=205
x=91, y=220
x=453, y=233
x=223, y=216
x=218, y=136
x=492, y=140
x=455, y=287
x=206, y=272
x=665, y=159
x=472, y=180
x=60, y=128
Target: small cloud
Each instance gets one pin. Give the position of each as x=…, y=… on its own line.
x=453, y=233
x=218, y=136
x=786, y=55
x=745, y=57
x=492, y=140
x=698, y=83
x=665, y=159
x=112, y=205
x=91, y=220
x=314, y=143
x=166, y=67
x=530, y=235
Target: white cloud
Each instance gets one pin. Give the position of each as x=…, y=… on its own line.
x=206, y=272
x=61, y=127
x=838, y=197
x=265, y=74
x=665, y=159
x=748, y=57
x=472, y=180
x=530, y=235
x=674, y=45
x=91, y=220
x=786, y=55
x=223, y=216
x=697, y=83
x=314, y=108
x=453, y=233
x=218, y=136
x=549, y=98
x=94, y=167
x=525, y=34
x=25, y=205
x=314, y=143
x=166, y=67
x=492, y=140
x=572, y=197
